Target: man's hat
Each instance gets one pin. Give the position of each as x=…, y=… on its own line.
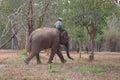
x=60, y=19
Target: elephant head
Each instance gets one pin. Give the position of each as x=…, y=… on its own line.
x=65, y=41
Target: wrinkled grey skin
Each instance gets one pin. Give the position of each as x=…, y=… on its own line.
x=45, y=38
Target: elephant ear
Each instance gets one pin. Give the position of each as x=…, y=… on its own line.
x=65, y=35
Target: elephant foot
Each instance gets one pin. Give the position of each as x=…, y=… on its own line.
x=27, y=62
x=63, y=61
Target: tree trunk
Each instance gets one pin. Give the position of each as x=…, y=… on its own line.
x=30, y=22
x=30, y=17
x=19, y=40
x=12, y=43
x=91, y=33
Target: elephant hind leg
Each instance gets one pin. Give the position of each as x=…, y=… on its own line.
x=38, y=59
x=29, y=58
x=34, y=53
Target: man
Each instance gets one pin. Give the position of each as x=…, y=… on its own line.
x=58, y=24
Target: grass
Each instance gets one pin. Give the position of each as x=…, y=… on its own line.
x=104, y=67
x=90, y=69
x=22, y=53
x=52, y=68
x=2, y=78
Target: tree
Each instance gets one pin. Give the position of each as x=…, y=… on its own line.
x=91, y=15
x=20, y=15
x=83, y=19
x=112, y=34
x=12, y=14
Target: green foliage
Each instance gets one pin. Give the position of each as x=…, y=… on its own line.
x=9, y=6
x=112, y=34
x=75, y=13
x=81, y=13
x=78, y=33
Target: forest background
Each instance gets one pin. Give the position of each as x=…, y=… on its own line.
x=85, y=20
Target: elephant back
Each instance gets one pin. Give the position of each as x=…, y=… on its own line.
x=44, y=37
x=45, y=31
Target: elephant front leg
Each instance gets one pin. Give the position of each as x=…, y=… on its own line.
x=38, y=59
x=61, y=57
x=51, y=56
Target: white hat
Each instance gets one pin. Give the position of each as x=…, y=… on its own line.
x=60, y=19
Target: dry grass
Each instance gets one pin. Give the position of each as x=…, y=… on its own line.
x=12, y=67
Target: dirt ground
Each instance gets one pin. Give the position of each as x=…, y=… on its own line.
x=12, y=67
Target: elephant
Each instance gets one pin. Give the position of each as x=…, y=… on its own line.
x=44, y=38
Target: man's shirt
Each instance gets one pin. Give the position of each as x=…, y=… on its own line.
x=58, y=25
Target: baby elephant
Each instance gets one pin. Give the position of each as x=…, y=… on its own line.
x=44, y=38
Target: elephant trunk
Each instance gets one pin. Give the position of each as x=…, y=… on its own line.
x=67, y=51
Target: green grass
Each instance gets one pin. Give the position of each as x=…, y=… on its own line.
x=52, y=68
x=22, y=53
x=90, y=69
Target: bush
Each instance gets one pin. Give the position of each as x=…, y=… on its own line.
x=112, y=41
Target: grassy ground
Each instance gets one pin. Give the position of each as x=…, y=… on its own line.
x=106, y=66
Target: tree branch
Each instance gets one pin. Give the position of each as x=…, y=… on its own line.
x=9, y=39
